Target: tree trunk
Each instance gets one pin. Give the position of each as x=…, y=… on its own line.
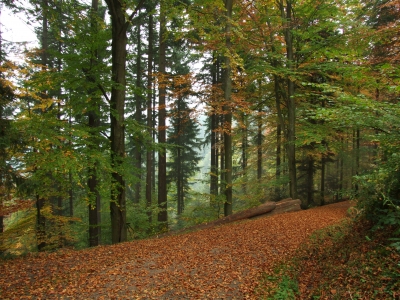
x=357, y=158
x=179, y=183
x=154, y=137
x=149, y=117
x=244, y=151
x=40, y=224
x=340, y=192
x=259, y=146
x=2, y=135
x=40, y=202
x=322, y=191
x=291, y=107
x=138, y=117
x=265, y=209
x=117, y=105
x=94, y=123
x=278, y=160
x=94, y=205
x=94, y=210
x=228, y=113
x=162, y=157
x=310, y=181
x=214, y=138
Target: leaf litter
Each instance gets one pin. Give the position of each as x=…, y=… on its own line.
x=223, y=262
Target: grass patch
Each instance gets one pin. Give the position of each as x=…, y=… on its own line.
x=345, y=261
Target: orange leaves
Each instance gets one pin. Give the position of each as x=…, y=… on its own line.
x=14, y=206
x=216, y=263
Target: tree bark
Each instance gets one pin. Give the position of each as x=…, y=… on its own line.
x=322, y=188
x=40, y=202
x=310, y=180
x=228, y=112
x=291, y=107
x=263, y=210
x=149, y=118
x=94, y=210
x=117, y=110
x=357, y=158
x=244, y=151
x=138, y=117
x=259, y=145
x=94, y=123
x=278, y=159
x=214, y=138
x=162, y=157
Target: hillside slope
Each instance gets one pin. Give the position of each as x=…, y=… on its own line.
x=222, y=262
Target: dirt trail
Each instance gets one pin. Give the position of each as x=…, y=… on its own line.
x=217, y=263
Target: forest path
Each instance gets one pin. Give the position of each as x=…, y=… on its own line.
x=217, y=263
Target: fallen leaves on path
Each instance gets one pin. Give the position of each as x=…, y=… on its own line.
x=217, y=263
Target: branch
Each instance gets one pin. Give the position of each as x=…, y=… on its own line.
x=103, y=91
x=138, y=7
x=91, y=79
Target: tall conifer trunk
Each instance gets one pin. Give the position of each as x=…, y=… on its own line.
x=149, y=162
x=291, y=128
x=228, y=112
x=310, y=180
x=356, y=187
x=162, y=158
x=40, y=202
x=259, y=146
x=138, y=116
x=94, y=123
x=179, y=181
x=322, y=184
x=278, y=160
x=2, y=147
x=214, y=137
x=244, y=151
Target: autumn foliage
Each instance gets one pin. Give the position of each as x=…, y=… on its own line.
x=221, y=262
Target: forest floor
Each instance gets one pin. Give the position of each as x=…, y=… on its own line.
x=225, y=262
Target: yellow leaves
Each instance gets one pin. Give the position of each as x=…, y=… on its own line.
x=13, y=206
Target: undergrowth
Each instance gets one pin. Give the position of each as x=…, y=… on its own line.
x=344, y=261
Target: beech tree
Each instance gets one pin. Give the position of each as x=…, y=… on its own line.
x=119, y=25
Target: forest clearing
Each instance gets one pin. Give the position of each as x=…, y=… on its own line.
x=224, y=262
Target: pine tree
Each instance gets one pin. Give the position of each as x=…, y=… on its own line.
x=183, y=164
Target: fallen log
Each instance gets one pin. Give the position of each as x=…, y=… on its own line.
x=284, y=206
x=263, y=210
x=248, y=213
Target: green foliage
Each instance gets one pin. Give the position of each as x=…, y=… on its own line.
x=279, y=285
x=138, y=218
x=19, y=235
x=200, y=208
x=346, y=264
x=287, y=289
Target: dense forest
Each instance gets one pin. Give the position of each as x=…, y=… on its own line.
x=131, y=118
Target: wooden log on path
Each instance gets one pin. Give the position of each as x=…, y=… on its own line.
x=287, y=205
x=263, y=210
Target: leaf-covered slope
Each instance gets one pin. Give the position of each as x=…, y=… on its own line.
x=222, y=262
